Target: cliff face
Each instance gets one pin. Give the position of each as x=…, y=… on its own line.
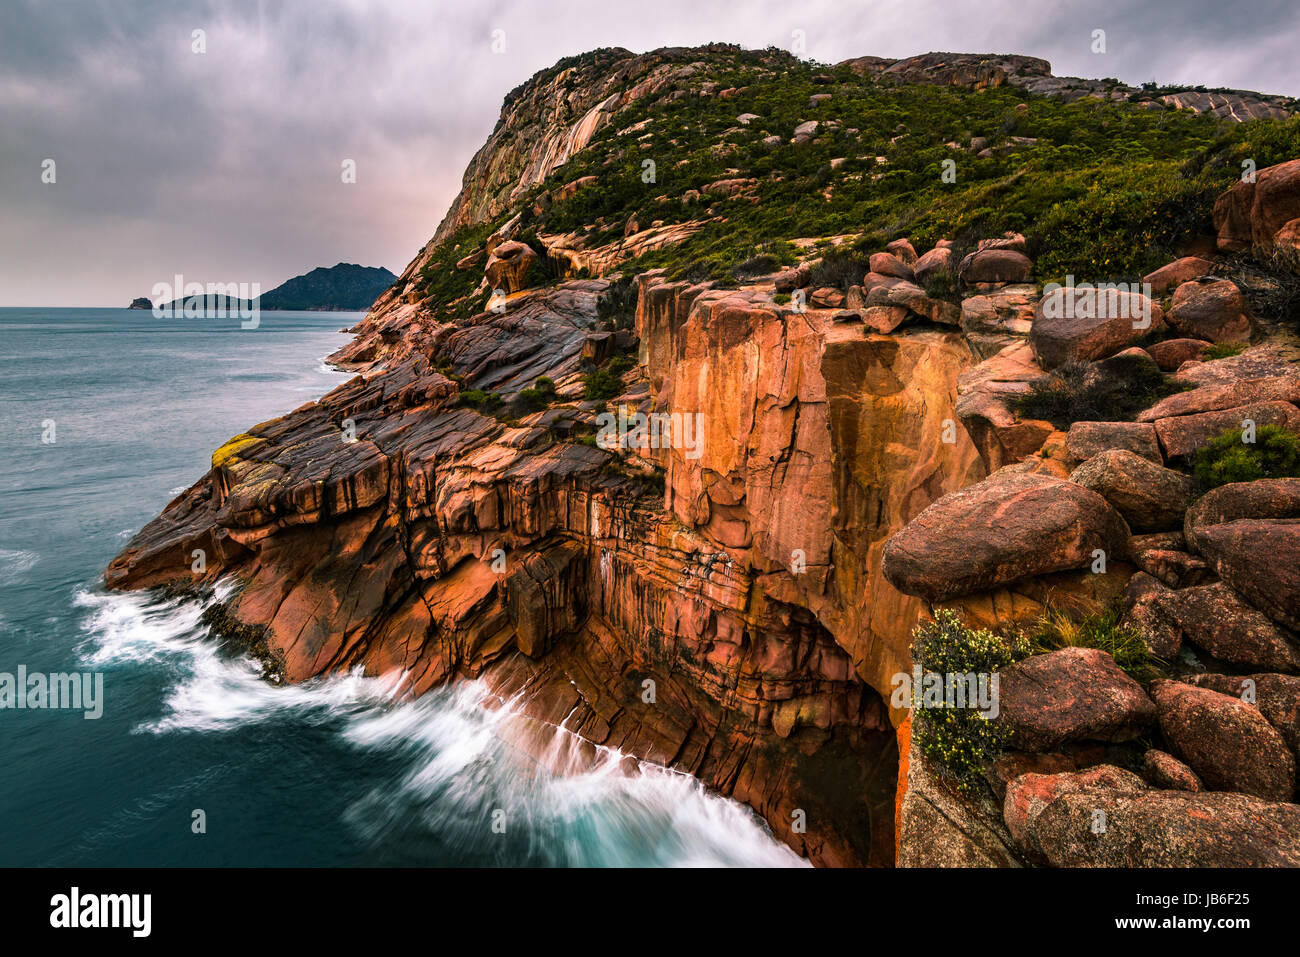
x=735, y=600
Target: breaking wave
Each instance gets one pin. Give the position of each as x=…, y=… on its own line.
x=468, y=775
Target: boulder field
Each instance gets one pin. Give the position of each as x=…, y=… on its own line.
x=738, y=606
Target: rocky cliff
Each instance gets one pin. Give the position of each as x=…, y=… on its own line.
x=824, y=447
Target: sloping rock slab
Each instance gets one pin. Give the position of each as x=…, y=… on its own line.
x=1057, y=817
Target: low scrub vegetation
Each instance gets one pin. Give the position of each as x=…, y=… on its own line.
x=1086, y=392
x=961, y=741
x=1275, y=453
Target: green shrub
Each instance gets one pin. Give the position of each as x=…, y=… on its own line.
x=1095, y=392
x=1275, y=453
x=539, y=396
x=839, y=270
x=487, y=402
x=601, y=384
x=961, y=741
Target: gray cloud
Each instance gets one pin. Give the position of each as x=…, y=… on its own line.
x=226, y=166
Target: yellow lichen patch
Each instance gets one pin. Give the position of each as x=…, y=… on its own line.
x=232, y=448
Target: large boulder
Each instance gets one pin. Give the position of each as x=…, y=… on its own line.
x=1177, y=272
x=1182, y=435
x=995, y=265
x=1252, y=214
x=1214, y=309
x=1228, y=743
x=1074, y=694
x=1215, y=619
x=903, y=249
x=1276, y=696
x=1086, y=324
x=1011, y=525
x=1261, y=499
x=1172, y=353
x=1086, y=439
x=508, y=266
x=1261, y=561
x=1151, y=497
x=938, y=259
x=1055, y=817
x=887, y=264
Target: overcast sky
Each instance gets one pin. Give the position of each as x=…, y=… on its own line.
x=225, y=166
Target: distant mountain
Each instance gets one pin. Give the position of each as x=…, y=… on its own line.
x=346, y=287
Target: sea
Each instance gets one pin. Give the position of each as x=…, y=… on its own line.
x=105, y=416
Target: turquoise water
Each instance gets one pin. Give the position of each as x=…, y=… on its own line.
x=334, y=772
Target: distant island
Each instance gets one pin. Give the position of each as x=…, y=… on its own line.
x=346, y=287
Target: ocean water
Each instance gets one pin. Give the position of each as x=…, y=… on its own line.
x=334, y=772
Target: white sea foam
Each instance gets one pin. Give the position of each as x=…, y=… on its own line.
x=463, y=754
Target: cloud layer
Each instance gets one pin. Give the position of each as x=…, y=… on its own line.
x=226, y=165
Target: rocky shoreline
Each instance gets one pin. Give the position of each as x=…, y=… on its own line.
x=740, y=610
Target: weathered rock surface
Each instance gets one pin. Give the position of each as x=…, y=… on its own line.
x=1086, y=439
x=987, y=396
x=1276, y=696
x=1214, y=310
x=935, y=261
x=1172, y=353
x=1070, y=695
x=1054, y=817
x=1165, y=556
x=1177, y=272
x=1229, y=744
x=1151, y=497
x=1010, y=526
x=1166, y=771
x=1261, y=561
x=1182, y=435
x=1214, y=398
x=1088, y=324
x=1250, y=215
x=508, y=266
x=995, y=265
x=1261, y=499
x=1215, y=619
x=998, y=318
